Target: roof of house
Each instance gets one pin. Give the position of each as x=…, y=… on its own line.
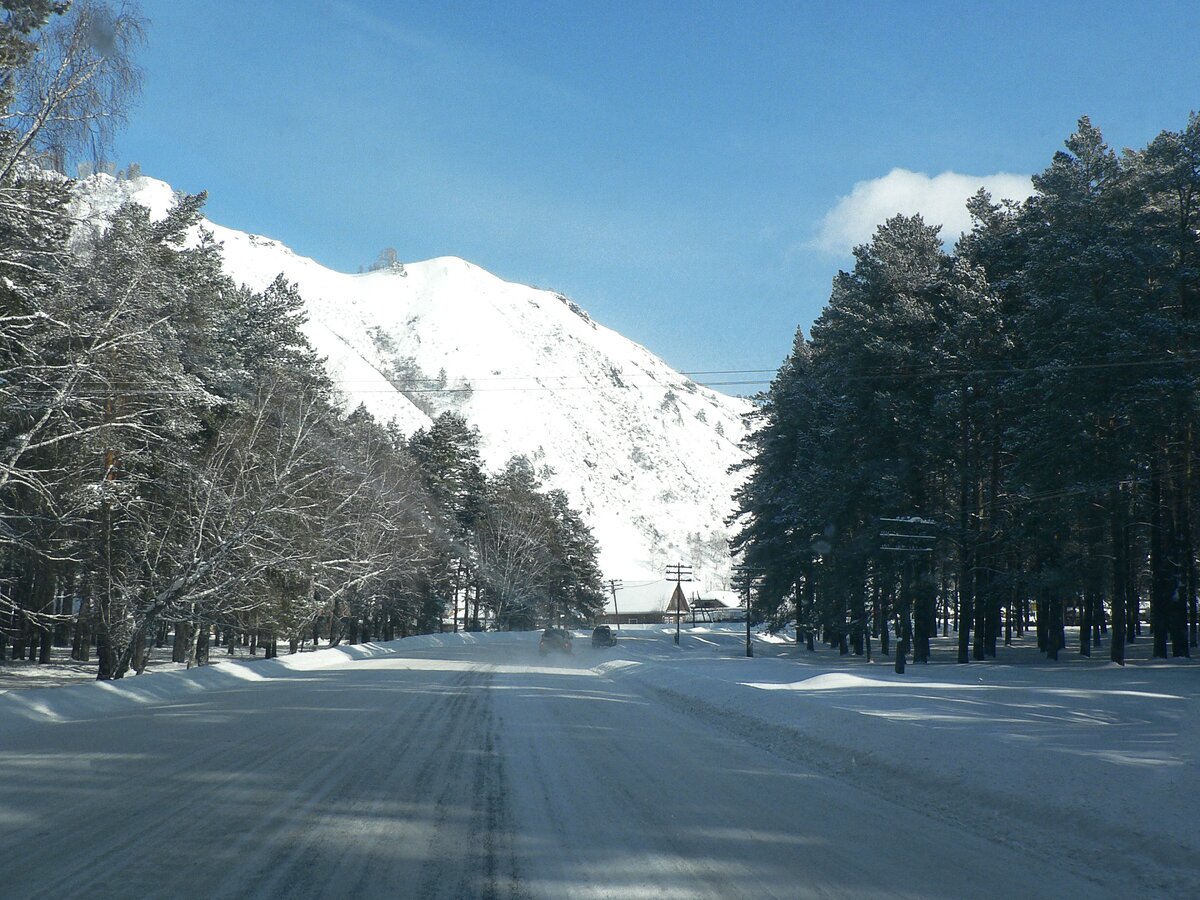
x=641, y=597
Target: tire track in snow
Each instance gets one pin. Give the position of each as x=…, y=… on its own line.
x=308, y=867
x=575, y=794
x=273, y=785
x=135, y=826
x=471, y=851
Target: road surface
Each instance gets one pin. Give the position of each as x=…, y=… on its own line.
x=475, y=771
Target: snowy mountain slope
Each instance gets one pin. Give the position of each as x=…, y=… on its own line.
x=256, y=261
x=640, y=449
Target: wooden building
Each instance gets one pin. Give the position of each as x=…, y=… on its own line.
x=654, y=603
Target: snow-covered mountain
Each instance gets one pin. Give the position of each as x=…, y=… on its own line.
x=640, y=449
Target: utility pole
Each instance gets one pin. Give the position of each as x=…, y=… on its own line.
x=909, y=538
x=678, y=573
x=614, y=585
x=744, y=577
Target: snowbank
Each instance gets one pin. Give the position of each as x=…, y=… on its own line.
x=83, y=701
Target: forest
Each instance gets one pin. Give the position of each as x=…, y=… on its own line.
x=1000, y=436
x=175, y=465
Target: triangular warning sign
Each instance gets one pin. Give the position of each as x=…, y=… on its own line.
x=678, y=601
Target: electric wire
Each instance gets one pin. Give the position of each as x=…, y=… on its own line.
x=486, y=383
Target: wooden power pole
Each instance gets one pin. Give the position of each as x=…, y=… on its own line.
x=678, y=573
x=614, y=585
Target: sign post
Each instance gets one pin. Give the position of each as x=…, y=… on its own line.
x=678, y=573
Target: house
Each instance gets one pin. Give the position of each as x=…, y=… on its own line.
x=653, y=603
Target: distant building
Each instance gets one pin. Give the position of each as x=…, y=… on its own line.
x=650, y=603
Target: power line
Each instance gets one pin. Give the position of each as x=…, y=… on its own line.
x=427, y=386
x=1047, y=368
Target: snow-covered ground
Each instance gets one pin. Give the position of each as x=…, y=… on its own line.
x=468, y=765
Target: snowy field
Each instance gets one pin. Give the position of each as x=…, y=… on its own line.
x=468, y=765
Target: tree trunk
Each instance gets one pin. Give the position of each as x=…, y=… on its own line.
x=183, y=638
x=967, y=541
x=858, y=614
x=139, y=657
x=1180, y=552
x=1009, y=615
x=924, y=616
x=992, y=632
x=1085, y=624
x=104, y=653
x=65, y=608
x=944, y=593
x=1051, y=631
x=979, y=610
x=884, y=616
x=458, y=574
x=1160, y=579
x=203, y=643
x=44, y=584
x=966, y=599
x=904, y=629
x=1116, y=646
x=81, y=646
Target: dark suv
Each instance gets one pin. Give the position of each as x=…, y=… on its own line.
x=602, y=636
x=555, y=639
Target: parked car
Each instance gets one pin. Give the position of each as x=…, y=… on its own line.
x=555, y=639
x=602, y=636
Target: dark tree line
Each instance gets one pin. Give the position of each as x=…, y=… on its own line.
x=174, y=463
x=1026, y=402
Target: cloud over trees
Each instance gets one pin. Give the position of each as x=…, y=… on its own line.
x=940, y=200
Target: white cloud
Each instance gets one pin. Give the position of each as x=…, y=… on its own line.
x=941, y=200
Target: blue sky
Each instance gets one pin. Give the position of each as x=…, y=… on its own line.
x=692, y=174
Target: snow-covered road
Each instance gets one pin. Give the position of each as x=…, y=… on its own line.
x=467, y=770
